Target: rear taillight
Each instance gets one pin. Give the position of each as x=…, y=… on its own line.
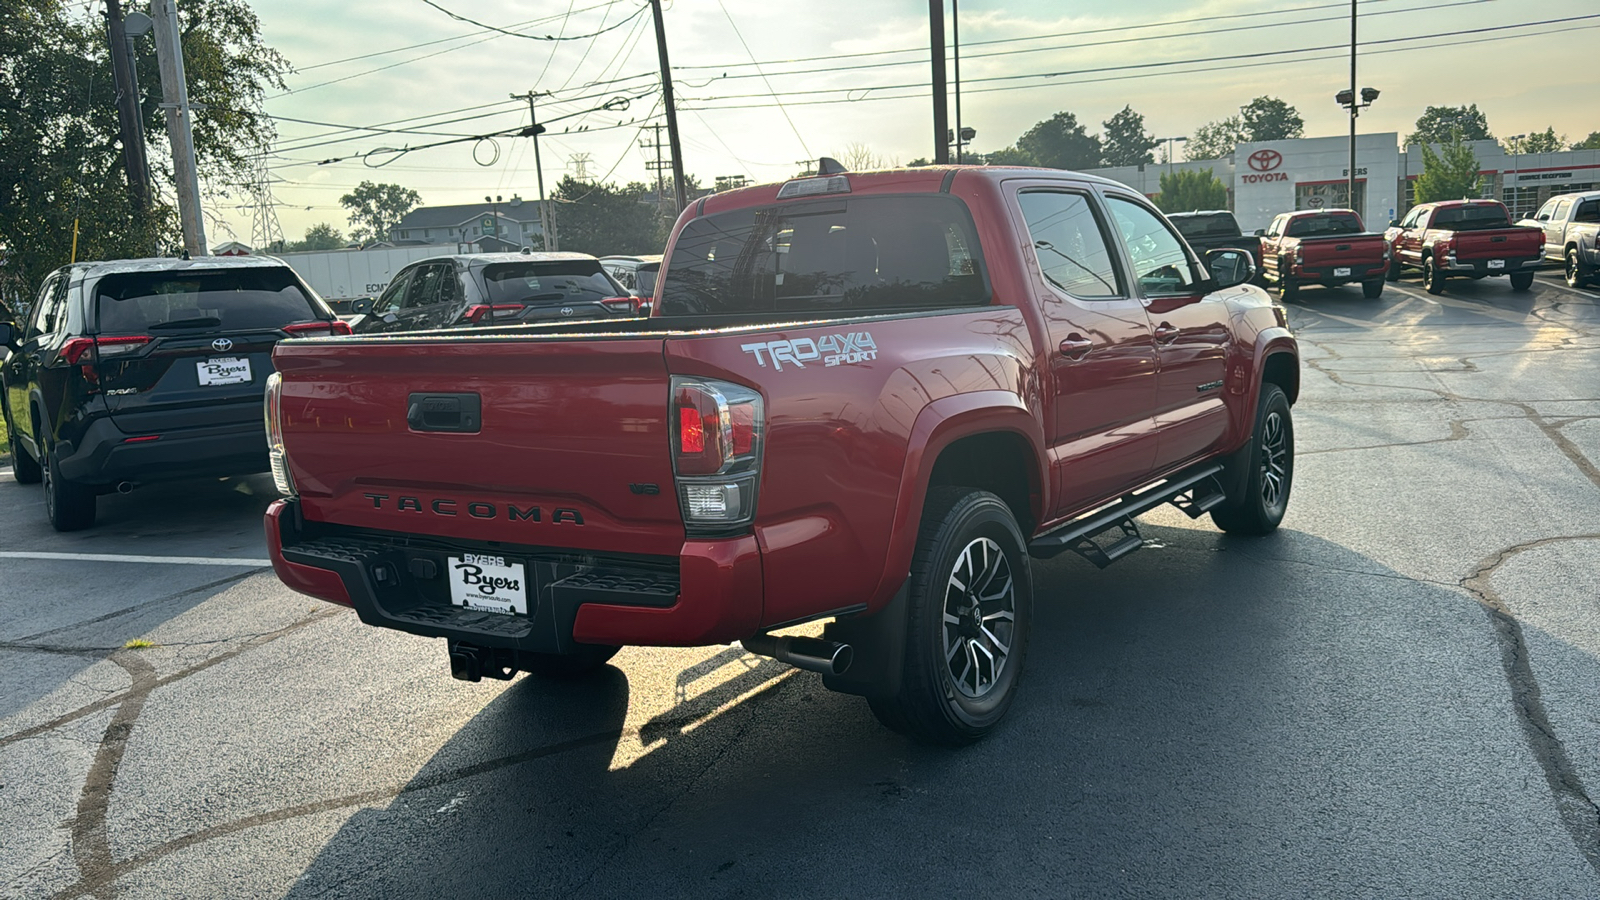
x=477, y=313
x=277, y=459
x=318, y=328
x=716, y=451
x=630, y=306
x=86, y=353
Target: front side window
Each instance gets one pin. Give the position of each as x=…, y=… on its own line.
x=835, y=254
x=1160, y=263
x=1070, y=244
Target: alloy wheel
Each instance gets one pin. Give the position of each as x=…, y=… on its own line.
x=979, y=617
x=1274, y=460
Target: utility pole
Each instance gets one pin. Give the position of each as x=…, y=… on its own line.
x=1351, y=187
x=132, y=128
x=658, y=167
x=547, y=215
x=941, y=119
x=680, y=189
x=175, y=100
x=955, y=37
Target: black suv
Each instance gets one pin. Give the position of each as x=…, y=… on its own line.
x=636, y=273
x=146, y=370
x=495, y=289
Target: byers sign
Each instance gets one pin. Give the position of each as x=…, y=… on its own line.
x=1264, y=166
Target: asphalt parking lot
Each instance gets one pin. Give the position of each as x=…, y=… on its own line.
x=1394, y=696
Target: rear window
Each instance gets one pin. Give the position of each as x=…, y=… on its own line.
x=1316, y=226
x=197, y=300
x=840, y=254
x=1470, y=218
x=555, y=282
x=1219, y=225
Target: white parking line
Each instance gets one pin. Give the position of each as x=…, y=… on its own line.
x=118, y=557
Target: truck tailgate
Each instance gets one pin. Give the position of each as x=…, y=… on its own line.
x=1343, y=250
x=570, y=447
x=1500, y=243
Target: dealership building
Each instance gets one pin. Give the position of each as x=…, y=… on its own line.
x=1269, y=177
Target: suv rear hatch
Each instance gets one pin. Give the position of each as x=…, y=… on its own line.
x=193, y=348
x=538, y=290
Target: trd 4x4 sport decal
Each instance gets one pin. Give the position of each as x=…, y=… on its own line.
x=832, y=349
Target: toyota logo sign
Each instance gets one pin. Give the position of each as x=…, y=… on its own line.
x=222, y=345
x=1265, y=160
x=566, y=310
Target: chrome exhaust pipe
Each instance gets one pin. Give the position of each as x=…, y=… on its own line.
x=811, y=654
x=125, y=487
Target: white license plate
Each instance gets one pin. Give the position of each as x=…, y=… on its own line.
x=1497, y=264
x=224, y=370
x=489, y=584
x=1341, y=272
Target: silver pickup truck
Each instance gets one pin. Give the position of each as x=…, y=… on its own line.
x=1571, y=224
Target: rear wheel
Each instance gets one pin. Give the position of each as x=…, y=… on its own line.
x=969, y=608
x=1432, y=278
x=1395, y=270
x=1287, y=287
x=586, y=659
x=1373, y=289
x=24, y=468
x=1578, y=274
x=1521, y=281
x=69, y=505
x=1269, y=460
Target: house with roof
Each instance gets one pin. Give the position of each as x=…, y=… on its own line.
x=506, y=225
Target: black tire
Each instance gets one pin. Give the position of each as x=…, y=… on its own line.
x=1521, y=281
x=1373, y=289
x=1395, y=270
x=1288, y=288
x=963, y=531
x=69, y=505
x=586, y=659
x=1432, y=278
x=1269, y=460
x=1578, y=274
x=24, y=468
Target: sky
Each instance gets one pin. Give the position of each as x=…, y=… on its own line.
x=754, y=98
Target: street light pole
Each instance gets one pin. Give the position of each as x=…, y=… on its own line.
x=955, y=36
x=941, y=118
x=494, y=205
x=1516, y=192
x=1350, y=187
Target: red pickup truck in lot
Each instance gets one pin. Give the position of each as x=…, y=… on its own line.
x=1472, y=238
x=863, y=398
x=1328, y=247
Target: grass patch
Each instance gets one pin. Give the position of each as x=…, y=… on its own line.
x=139, y=644
x=5, y=440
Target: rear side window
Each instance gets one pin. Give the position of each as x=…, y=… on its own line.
x=557, y=280
x=1332, y=223
x=646, y=278
x=1071, y=244
x=841, y=254
x=1588, y=211
x=228, y=300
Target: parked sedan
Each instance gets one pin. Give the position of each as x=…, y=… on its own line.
x=480, y=289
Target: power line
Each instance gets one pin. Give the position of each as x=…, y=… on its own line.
x=377, y=53
x=534, y=37
x=743, y=43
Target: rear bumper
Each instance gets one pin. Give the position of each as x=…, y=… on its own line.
x=106, y=455
x=1328, y=274
x=711, y=593
x=1485, y=266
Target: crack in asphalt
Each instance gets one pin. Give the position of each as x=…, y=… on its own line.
x=138, y=607
x=91, y=845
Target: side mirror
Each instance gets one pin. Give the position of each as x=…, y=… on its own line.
x=390, y=318
x=361, y=306
x=1230, y=267
x=8, y=335
x=1260, y=232
x=1394, y=223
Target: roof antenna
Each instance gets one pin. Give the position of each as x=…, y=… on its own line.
x=185, y=253
x=827, y=165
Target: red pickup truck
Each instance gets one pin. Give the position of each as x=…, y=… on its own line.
x=1329, y=247
x=1474, y=238
x=863, y=398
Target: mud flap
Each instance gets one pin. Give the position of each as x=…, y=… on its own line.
x=879, y=642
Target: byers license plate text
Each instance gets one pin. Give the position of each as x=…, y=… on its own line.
x=488, y=583
x=224, y=370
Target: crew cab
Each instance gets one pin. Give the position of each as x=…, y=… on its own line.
x=1472, y=238
x=472, y=290
x=1571, y=226
x=146, y=370
x=1215, y=229
x=862, y=398
x=1330, y=247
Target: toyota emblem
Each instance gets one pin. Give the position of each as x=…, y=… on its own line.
x=566, y=310
x=1265, y=160
x=222, y=345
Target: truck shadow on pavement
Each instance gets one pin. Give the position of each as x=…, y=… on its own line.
x=1222, y=717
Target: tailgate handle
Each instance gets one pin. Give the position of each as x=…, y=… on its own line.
x=444, y=412
x=1342, y=247
x=1498, y=239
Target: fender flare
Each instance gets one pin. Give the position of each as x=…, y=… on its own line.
x=940, y=424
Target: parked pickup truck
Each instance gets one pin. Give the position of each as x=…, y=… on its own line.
x=1474, y=238
x=1329, y=247
x=1571, y=226
x=1215, y=229
x=864, y=398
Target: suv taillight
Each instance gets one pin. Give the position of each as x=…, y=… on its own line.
x=717, y=430
x=477, y=313
x=277, y=459
x=318, y=328
x=625, y=305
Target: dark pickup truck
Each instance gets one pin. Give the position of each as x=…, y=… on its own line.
x=868, y=399
x=1215, y=229
x=1330, y=247
x=1471, y=238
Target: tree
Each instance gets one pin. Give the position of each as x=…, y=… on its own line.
x=1449, y=174
x=1592, y=142
x=1439, y=124
x=1546, y=141
x=603, y=219
x=1187, y=190
x=60, y=146
x=1125, y=142
x=1059, y=142
x=1271, y=119
x=859, y=157
x=321, y=236
x=1214, y=140
x=375, y=208
x=1009, y=156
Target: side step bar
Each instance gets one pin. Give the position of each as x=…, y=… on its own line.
x=1194, y=492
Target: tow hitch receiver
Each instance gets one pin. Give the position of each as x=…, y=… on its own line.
x=469, y=662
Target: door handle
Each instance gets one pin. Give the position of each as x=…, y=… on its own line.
x=1076, y=346
x=1165, y=333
